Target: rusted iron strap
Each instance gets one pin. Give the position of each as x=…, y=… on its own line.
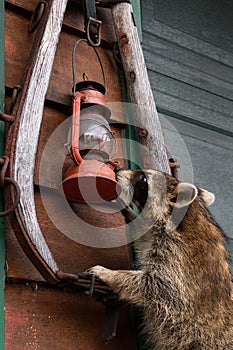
x=86, y=282
x=15, y=93
x=112, y=306
x=4, y=180
x=36, y=16
x=6, y=117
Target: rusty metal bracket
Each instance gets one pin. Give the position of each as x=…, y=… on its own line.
x=4, y=180
x=90, y=284
x=15, y=94
x=6, y=117
x=36, y=16
x=112, y=306
x=116, y=54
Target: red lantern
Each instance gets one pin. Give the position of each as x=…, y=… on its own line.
x=92, y=178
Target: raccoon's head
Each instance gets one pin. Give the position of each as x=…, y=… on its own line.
x=157, y=194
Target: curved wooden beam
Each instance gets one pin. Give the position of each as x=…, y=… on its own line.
x=24, y=134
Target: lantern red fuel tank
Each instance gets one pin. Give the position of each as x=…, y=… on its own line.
x=91, y=179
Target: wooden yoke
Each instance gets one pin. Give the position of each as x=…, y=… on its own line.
x=25, y=144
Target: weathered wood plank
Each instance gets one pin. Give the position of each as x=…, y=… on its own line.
x=192, y=75
x=46, y=318
x=182, y=39
x=2, y=149
x=18, y=265
x=184, y=100
x=200, y=133
x=138, y=85
x=87, y=62
x=31, y=112
x=17, y=36
x=70, y=255
x=209, y=21
x=54, y=125
x=74, y=18
x=209, y=152
x=160, y=47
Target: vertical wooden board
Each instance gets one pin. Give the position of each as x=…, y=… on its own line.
x=18, y=264
x=18, y=43
x=86, y=61
x=47, y=318
x=28, y=5
x=2, y=238
x=74, y=18
x=53, y=123
x=55, y=126
x=70, y=256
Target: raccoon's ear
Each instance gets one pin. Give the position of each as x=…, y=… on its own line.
x=186, y=194
x=207, y=197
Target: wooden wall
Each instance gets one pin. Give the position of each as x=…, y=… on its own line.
x=38, y=315
x=2, y=146
x=189, y=54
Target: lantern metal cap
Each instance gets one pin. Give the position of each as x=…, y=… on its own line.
x=90, y=85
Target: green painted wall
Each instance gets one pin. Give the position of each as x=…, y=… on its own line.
x=2, y=239
x=137, y=15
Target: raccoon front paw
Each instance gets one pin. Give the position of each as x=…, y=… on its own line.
x=129, y=214
x=100, y=272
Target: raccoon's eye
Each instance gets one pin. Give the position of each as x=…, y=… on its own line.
x=140, y=186
x=140, y=178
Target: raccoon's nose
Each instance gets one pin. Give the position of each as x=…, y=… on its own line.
x=117, y=169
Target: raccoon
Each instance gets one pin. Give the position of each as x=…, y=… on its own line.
x=183, y=284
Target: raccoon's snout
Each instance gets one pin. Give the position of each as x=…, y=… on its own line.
x=124, y=186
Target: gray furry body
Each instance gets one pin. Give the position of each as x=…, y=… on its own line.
x=184, y=284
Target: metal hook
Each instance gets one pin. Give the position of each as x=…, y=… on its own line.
x=4, y=161
x=36, y=16
x=15, y=93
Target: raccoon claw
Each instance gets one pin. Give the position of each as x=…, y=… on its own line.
x=129, y=214
x=97, y=271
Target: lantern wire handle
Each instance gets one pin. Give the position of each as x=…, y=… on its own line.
x=73, y=64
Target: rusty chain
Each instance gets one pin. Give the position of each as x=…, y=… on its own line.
x=4, y=181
